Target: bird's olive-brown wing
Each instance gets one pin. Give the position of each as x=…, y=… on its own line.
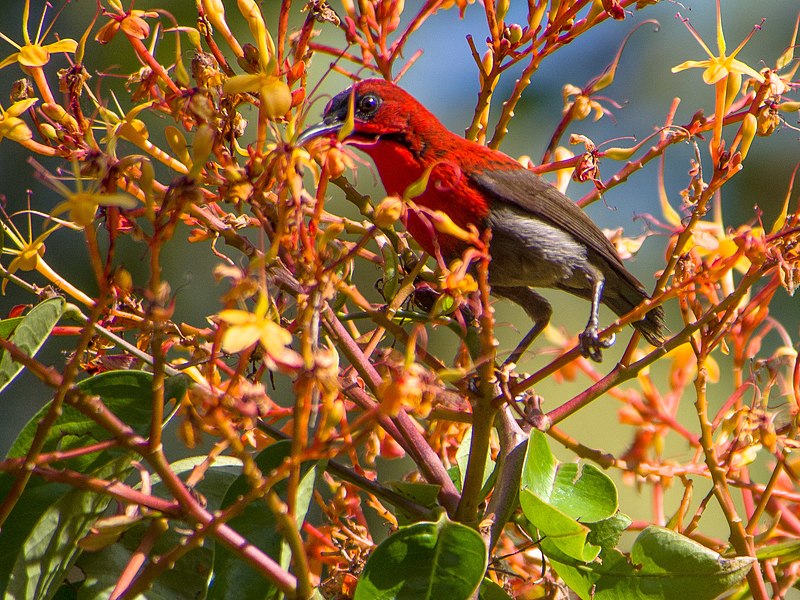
x=533, y=194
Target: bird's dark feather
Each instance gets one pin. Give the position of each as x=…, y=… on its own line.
x=536, y=196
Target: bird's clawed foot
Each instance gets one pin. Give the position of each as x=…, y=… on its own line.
x=591, y=346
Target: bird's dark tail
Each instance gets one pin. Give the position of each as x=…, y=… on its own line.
x=623, y=295
x=652, y=327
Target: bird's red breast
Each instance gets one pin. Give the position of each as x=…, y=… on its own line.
x=448, y=190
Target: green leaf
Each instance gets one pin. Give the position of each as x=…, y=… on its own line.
x=565, y=534
x=562, y=500
x=233, y=578
x=38, y=539
x=425, y=561
x=462, y=458
x=540, y=468
x=45, y=508
x=785, y=552
x=125, y=393
x=188, y=578
x=663, y=565
x=7, y=326
x=424, y=494
x=29, y=336
x=606, y=533
x=491, y=591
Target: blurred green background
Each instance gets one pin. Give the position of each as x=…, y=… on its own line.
x=445, y=80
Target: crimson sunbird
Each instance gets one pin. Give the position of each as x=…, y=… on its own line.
x=539, y=237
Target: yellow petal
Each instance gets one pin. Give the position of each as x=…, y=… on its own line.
x=242, y=83
x=107, y=32
x=714, y=73
x=276, y=98
x=134, y=131
x=388, y=211
x=28, y=259
x=15, y=129
x=9, y=60
x=82, y=213
x=235, y=317
x=240, y=337
x=739, y=67
x=21, y=106
x=135, y=27
x=274, y=338
x=690, y=64
x=33, y=56
x=119, y=200
x=444, y=224
x=67, y=45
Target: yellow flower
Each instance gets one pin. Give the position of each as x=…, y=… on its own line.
x=711, y=240
x=275, y=96
x=82, y=204
x=683, y=365
x=11, y=126
x=134, y=130
x=580, y=104
x=388, y=211
x=29, y=256
x=32, y=53
x=28, y=253
x=246, y=328
x=717, y=67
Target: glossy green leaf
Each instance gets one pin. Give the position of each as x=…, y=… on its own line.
x=38, y=539
x=491, y=591
x=44, y=509
x=188, y=578
x=425, y=561
x=663, y=565
x=7, y=326
x=606, y=533
x=602, y=534
x=462, y=458
x=562, y=500
x=565, y=534
x=233, y=578
x=125, y=393
x=29, y=336
x=424, y=494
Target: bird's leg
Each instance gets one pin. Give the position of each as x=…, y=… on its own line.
x=538, y=309
x=590, y=344
x=525, y=342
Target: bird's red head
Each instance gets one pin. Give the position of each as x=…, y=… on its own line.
x=379, y=109
x=409, y=144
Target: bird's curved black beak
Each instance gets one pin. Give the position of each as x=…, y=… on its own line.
x=328, y=127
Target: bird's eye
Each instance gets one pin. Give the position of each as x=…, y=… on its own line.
x=368, y=104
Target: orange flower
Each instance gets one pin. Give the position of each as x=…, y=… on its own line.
x=131, y=23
